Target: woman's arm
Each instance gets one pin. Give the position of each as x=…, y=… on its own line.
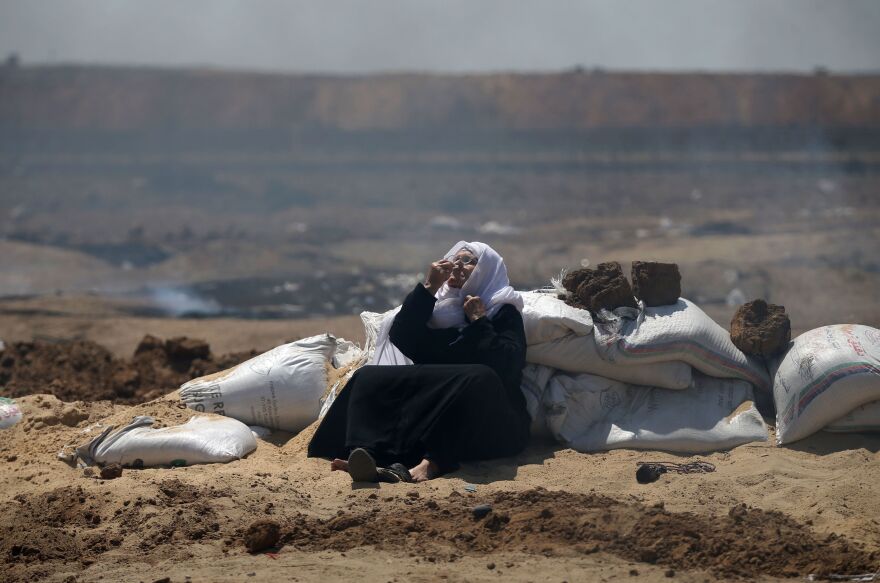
x=410, y=332
x=499, y=343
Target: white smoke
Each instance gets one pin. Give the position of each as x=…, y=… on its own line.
x=178, y=301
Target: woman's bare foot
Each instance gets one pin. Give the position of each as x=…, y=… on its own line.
x=426, y=470
x=339, y=465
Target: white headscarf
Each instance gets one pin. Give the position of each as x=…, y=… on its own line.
x=488, y=280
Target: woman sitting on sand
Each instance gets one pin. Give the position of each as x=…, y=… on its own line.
x=460, y=339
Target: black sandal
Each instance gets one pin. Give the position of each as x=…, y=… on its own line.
x=362, y=466
x=395, y=473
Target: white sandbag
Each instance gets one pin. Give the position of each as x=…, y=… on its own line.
x=681, y=331
x=388, y=354
x=546, y=317
x=535, y=380
x=279, y=389
x=826, y=374
x=201, y=440
x=372, y=322
x=591, y=413
x=860, y=420
x=578, y=354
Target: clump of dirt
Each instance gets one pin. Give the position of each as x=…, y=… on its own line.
x=602, y=288
x=81, y=370
x=261, y=535
x=111, y=471
x=656, y=284
x=747, y=543
x=760, y=328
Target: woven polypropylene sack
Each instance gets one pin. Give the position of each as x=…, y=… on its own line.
x=827, y=373
x=279, y=389
x=546, y=317
x=590, y=413
x=681, y=331
x=201, y=440
x=578, y=354
x=860, y=420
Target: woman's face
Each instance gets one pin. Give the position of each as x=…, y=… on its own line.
x=463, y=264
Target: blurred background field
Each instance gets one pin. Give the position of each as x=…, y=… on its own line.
x=151, y=193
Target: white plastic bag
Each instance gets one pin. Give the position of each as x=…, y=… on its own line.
x=10, y=413
x=578, y=354
x=201, y=440
x=279, y=389
x=681, y=331
x=860, y=420
x=826, y=374
x=590, y=413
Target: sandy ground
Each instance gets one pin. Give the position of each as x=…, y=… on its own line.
x=567, y=516
x=186, y=524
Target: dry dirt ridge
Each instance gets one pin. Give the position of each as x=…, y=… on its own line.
x=82, y=370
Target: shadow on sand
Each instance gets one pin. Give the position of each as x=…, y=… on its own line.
x=825, y=442
x=496, y=470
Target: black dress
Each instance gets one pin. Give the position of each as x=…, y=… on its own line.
x=460, y=401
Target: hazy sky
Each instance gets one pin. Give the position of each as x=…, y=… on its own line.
x=448, y=35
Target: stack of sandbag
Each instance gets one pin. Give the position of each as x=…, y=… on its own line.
x=829, y=379
x=651, y=345
x=592, y=413
x=563, y=337
x=646, y=356
x=279, y=389
x=651, y=376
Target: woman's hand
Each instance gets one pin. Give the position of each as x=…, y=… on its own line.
x=437, y=274
x=473, y=308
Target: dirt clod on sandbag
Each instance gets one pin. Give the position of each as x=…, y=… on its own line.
x=760, y=329
x=262, y=535
x=602, y=288
x=656, y=284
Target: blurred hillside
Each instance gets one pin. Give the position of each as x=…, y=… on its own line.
x=143, y=99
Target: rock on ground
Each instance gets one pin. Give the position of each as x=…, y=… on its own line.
x=262, y=535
